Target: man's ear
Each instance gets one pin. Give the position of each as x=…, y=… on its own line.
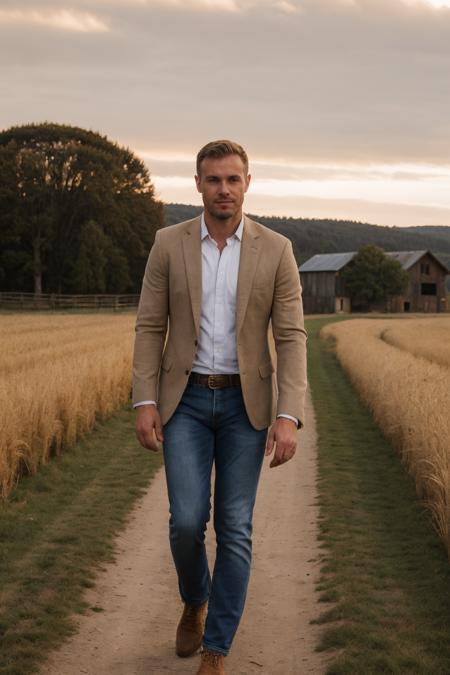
x=247, y=181
x=197, y=182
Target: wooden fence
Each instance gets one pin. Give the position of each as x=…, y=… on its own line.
x=55, y=301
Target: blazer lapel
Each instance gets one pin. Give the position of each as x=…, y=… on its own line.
x=250, y=252
x=193, y=266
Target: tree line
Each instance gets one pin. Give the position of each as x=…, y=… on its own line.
x=77, y=212
x=327, y=235
x=310, y=236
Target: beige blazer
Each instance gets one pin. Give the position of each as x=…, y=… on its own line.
x=268, y=291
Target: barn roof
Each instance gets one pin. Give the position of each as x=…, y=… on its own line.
x=327, y=262
x=333, y=262
x=408, y=258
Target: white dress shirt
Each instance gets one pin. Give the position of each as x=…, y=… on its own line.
x=217, y=352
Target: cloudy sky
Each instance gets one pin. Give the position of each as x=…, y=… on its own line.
x=342, y=105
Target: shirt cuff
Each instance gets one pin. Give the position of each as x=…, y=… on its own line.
x=289, y=417
x=136, y=405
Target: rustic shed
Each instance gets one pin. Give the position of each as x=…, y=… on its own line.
x=325, y=292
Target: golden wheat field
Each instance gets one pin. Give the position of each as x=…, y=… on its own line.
x=58, y=374
x=401, y=369
x=429, y=338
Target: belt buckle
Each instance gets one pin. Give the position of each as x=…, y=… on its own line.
x=212, y=382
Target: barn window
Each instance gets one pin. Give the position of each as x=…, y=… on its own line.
x=428, y=289
x=425, y=269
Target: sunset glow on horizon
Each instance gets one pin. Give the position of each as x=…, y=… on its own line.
x=342, y=105
x=439, y=3
x=418, y=190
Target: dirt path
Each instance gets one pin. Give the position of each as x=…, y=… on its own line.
x=134, y=634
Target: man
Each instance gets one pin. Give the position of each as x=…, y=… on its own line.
x=203, y=386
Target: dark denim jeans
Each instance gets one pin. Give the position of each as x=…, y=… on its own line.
x=211, y=426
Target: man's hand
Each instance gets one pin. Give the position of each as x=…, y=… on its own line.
x=148, y=427
x=283, y=434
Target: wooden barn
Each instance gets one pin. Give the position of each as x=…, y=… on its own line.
x=325, y=292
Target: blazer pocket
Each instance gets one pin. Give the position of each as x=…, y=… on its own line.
x=266, y=369
x=166, y=363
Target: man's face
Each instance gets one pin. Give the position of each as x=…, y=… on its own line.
x=223, y=184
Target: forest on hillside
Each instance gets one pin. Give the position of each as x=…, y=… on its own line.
x=312, y=235
x=78, y=214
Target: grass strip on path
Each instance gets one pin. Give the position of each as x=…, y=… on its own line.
x=385, y=572
x=57, y=530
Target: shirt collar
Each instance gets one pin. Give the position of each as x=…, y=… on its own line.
x=204, y=230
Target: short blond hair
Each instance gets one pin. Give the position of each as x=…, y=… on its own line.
x=221, y=148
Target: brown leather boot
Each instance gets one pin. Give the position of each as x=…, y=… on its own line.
x=212, y=663
x=190, y=629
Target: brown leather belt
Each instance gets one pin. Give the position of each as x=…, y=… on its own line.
x=217, y=381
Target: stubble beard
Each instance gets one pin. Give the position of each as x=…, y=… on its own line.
x=226, y=215
x=220, y=215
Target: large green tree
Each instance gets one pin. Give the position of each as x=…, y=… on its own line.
x=77, y=212
x=373, y=277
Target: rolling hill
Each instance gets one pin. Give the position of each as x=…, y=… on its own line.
x=310, y=236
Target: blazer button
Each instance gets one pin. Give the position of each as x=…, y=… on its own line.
x=196, y=343
x=186, y=372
